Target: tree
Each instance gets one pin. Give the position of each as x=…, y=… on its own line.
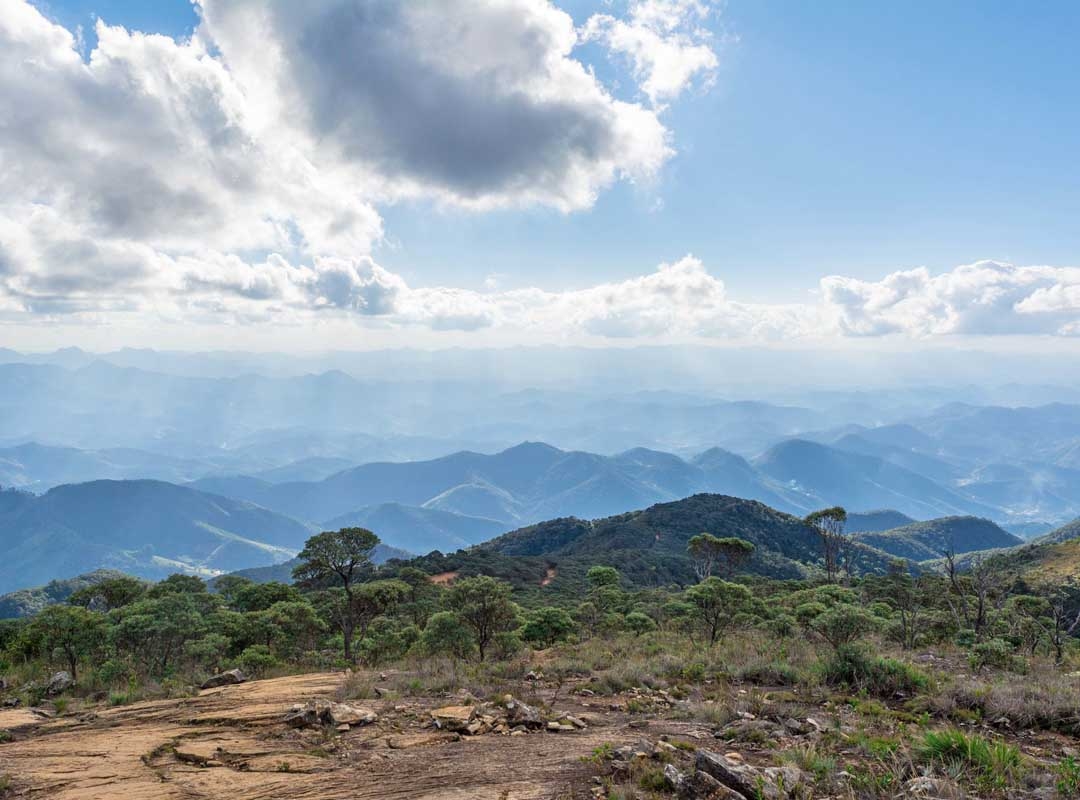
x=829, y=524
x=447, y=634
x=545, y=626
x=338, y=557
x=375, y=598
x=109, y=594
x=843, y=624
x=484, y=604
x=638, y=622
x=72, y=631
x=725, y=555
x=718, y=605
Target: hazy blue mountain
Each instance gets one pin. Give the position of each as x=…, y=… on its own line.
x=419, y=530
x=1070, y=530
x=829, y=476
x=526, y=483
x=922, y=541
x=146, y=528
x=39, y=467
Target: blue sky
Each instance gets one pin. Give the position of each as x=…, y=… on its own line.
x=840, y=137
x=852, y=139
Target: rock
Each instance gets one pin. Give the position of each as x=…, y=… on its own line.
x=60, y=682
x=534, y=676
x=673, y=778
x=518, y=713
x=773, y=783
x=325, y=712
x=453, y=718
x=703, y=786
x=306, y=716
x=228, y=678
x=380, y=692
x=554, y=726
x=930, y=788
x=12, y=702
x=577, y=722
x=344, y=714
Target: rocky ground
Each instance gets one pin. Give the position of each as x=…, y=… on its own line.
x=251, y=741
x=306, y=737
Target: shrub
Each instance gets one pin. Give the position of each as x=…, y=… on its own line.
x=853, y=667
x=257, y=659
x=997, y=653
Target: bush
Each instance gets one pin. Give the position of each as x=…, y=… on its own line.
x=447, y=635
x=997, y=653
x=851, y=666
x=257, y=659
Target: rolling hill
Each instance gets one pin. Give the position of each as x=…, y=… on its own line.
x=923, y=541
x=875, y=521
x=648, y=546
x=145, y=528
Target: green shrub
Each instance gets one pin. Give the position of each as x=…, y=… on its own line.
x=851, y=666
x=997, y=653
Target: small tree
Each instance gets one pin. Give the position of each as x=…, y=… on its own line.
x=724, y=555
x=338, y=557
x=829, y=524
x=545, y=626
x=638, y=622
x=484, y=604
x=109, y=594
x=447, y=634
x=73, y=632
x=718, y=606
x=843, y=624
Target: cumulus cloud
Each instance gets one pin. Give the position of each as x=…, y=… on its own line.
x=241, y=171
x=984, y=298
x=476, y=103
x=666, y=42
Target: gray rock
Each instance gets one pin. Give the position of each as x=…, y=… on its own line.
x=59, y=683
x=772, y=783
x=703, y=786
x=518, y=713
x=228, y=678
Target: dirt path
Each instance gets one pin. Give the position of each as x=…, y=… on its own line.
x=231, y=743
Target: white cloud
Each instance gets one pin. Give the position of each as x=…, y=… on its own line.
x=984, y=298
x=240, y=172
x=237, y=176
x=666, y=42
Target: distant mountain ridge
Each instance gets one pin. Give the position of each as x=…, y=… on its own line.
x=923, y=541
x=526, y=483
x=145, y=528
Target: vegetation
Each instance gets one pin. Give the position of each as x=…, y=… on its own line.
x=707, y=650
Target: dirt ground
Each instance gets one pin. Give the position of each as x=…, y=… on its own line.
x=232, y=743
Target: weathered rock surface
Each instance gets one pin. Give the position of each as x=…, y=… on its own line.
x=236, y=746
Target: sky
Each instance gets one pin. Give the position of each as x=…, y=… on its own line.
x=367, y=173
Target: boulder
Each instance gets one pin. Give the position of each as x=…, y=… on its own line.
x=771, y=783
x=344, y=714
x=703, y=786
x=325, y=712
x=454, y=718
x=59, y=683
x=228, y=678
x=518, y=713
